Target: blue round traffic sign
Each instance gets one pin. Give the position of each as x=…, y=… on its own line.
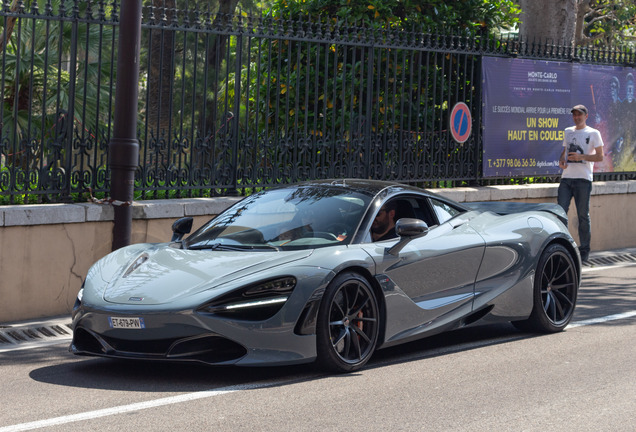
x=460, y=122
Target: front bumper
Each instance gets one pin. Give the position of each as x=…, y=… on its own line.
x=192, y=337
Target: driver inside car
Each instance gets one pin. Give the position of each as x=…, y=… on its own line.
x=383, y=227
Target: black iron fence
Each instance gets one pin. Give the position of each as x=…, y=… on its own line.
x=232, y=103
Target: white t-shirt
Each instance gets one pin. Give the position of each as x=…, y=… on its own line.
x=583, y=141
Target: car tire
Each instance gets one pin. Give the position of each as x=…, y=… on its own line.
x=348, y=324
x=555, y=291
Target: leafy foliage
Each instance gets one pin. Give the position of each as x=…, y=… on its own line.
x=608, y=23
x=332, y=91
x=474, y=15
x=47, y=97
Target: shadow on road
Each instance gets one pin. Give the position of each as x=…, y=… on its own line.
x=596, y=299
x=159, y=377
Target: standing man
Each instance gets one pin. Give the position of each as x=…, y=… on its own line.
x=582, y=146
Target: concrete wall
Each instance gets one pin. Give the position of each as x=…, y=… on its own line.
x=46, y=250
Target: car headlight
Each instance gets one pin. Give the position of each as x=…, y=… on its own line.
x=78, y=300
x=252, y=303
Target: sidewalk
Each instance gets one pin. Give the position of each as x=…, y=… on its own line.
x=32, y=333
x=610, y=257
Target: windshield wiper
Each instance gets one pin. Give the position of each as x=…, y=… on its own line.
x=217, y=246
x=265, y=247
x=225, y=247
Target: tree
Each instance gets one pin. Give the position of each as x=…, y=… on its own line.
x=337, y=97
x=54, y=97
x=165, y=19
x=474, y=15
x=606, y=23
x=37, y=76
x=548, y=20
x=326, y=102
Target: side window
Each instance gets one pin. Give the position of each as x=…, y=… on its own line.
x=444, y=211
x=423, y=212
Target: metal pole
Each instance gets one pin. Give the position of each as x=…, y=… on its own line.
x=123, y=146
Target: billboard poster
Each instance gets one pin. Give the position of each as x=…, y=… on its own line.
x=527, y=106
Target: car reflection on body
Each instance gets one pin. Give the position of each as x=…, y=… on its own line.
x=291, y=275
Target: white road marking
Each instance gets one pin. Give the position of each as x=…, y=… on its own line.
x=90, y=415
x=602, y=319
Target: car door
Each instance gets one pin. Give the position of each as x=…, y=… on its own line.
x=430, y=282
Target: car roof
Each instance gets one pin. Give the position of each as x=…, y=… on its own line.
x=374, y=188
x=366, y=187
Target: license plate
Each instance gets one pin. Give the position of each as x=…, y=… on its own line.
x=126, y=323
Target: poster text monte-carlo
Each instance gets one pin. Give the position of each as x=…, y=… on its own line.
x=527, y=106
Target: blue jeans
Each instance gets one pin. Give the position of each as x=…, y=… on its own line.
x=580, y=190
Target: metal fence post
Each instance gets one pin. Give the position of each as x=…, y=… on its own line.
x=123, y=146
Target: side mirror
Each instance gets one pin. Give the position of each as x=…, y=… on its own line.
x=181, y=227
x=408, y=229
x=411, y=228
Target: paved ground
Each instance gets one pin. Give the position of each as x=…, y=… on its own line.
x=491, y=377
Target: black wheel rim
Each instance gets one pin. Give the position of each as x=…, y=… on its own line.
x=558, y=288
x=353, y=322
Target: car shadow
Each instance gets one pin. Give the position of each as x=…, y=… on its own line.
x=160, y=377
x=460, y=340
x=595, y=299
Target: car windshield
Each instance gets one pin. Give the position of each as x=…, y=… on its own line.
x=290, y=218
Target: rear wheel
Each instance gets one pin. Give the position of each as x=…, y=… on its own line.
x=348, y=324
x=555, y=290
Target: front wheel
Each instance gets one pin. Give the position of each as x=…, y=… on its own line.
x=555, y=291
x=348, y=324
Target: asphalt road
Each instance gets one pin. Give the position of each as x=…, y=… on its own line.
x=486, y=378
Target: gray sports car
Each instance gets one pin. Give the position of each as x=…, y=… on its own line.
x=328, y=271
